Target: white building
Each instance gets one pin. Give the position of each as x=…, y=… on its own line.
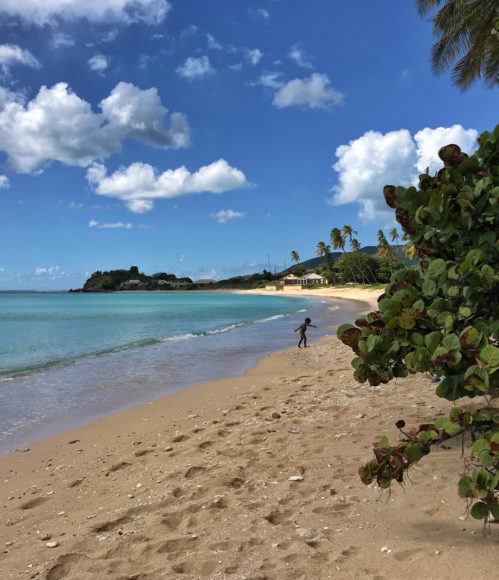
x=306, y=280
x=312, y=278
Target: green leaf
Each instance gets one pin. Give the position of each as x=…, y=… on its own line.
x=490, y=356
x=480, y=445
x=432, y=340
x=464, y=312
x=429, y=288
x=414, y=452
x=451, y=342
x=384, y=443
x=407, y=318
x=480, y=510
x=436, y=268
x=464, y=488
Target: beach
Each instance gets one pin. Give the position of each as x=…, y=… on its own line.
x=250, y=477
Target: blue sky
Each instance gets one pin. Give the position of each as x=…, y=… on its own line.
x=198, y=137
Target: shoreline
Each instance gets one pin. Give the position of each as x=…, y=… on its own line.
x=350, y=306
x=253, y=476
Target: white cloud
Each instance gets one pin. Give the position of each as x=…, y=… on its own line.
x=57, y=125
x=236, y=67
x=213, y=43
x=98, y=63
x=4, y=182
x=195, y=67
x=11, y=54
x=429, y=141
x=40, y=12
x=299, y=56
x=226, y=215
x=74, y=205
x=271, y=80
x=314, y=92
x=111, y=226
x=253, y=55
x=138, y=185
x=60, y=39
x=52, y=271
x=375, y=159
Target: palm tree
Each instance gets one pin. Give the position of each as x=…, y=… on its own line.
x=466, y=34
x=338, y=240
x=295, y=257
x=355, y=248
x=394, y=235
x=384, y=248
x=348, y=231
x=324, y=250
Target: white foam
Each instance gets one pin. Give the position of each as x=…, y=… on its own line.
x=275, y=317
x=177, y=337
x=225, y=328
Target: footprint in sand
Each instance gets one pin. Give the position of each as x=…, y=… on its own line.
x=194, y=471
x=178, y=545
x=33, y=503
x=110, y=525
x=117, y=467
x=62, y=568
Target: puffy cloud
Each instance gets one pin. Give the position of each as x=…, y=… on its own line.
x=57, y=125
x=314, y=92
x=98, y=63
x=253, y=55
x=375, y=159
x=226, y=215
x=111, y=226
x=11, y=54
x=299, y=56
x=138, y=185
x=429, y=141
x=40, y=12
x=4, y=182
x=195, y=67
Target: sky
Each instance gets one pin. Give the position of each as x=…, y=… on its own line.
x=206, y=138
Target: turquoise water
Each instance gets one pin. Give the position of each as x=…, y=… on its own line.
x=66, y=359
x=41, y=330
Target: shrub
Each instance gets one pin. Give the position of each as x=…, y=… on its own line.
x=441, y=316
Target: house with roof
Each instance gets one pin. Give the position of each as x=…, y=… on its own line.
x=305, y=280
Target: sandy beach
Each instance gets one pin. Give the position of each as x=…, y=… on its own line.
x=253, y=477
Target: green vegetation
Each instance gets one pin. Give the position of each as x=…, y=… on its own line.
x=467, y=33
x=113, y=280
x=441, y=316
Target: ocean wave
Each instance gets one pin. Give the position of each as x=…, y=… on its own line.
x=275, y=317
x=177, y=337
x=225, y=328
x=46, y=365
x=302, y=310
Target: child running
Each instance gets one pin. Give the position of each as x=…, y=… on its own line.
x=303, y=329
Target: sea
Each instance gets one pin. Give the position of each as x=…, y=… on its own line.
x=68, y=359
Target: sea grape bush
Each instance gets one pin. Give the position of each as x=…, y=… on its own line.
x=441, y=316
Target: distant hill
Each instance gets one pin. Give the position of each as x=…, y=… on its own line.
x=319, y=261
x=132, y=279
